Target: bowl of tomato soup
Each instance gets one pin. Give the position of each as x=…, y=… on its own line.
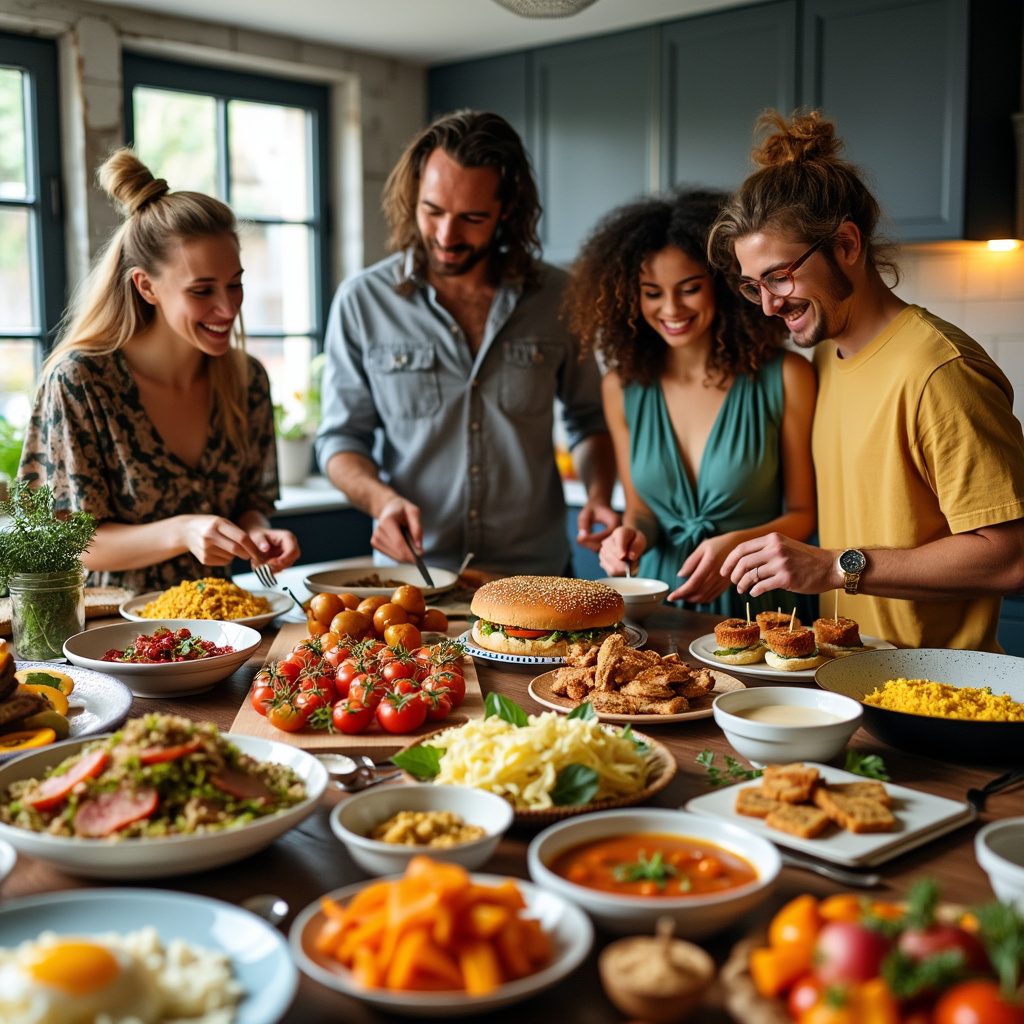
x=629, y=867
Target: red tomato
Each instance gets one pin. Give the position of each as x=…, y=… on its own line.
x=288, y=671
x=424, y=658
x=404, y=685
x=350, y=716
x=976, y=1002
x=526, y=634
x=334, y=656
x=803, y=995
x=847, y=953
x=920, y=943
x=453, y=682
x=438, y=702
x=396, y=670
x=287, y=716
x=400, y=713
x=260, y=697
x=366, y=689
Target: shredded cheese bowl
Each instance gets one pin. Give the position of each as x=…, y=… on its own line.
x=965, y=706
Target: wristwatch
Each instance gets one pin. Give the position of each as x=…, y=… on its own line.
x=852, y=563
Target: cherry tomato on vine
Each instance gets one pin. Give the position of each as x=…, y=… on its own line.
x=287, y=715
x=438, y=701
x=350, y=716
x=367, y=689
x=260, y=696
x=453, y=682
x=401, y=713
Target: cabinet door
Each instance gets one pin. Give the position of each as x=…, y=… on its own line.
x=593, y=132
x=719, y=72
x=892, y=74
x=496, y=84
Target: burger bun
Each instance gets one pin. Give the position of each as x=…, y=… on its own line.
x=792, y=664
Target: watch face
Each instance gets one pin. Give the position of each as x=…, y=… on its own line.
x=852, y=560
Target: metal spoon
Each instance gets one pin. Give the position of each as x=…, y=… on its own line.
x=273, y=909
x=465, y=562
x=855, y=878
x=977, y=797
x=340, y=767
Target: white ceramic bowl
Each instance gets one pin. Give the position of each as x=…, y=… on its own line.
x=777, y=743
x=353, y=819
x=130, y=859
x=173, y=679
x=999, y=849
x=567, y=926
x=279, y=603
x=694, y=916
x=643, y=597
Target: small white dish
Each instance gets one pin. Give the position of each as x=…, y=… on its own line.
x=694, y=916
x=258, y=953
x=170, y=679
x=341, y=581
x=279, y=604
x=999, y=849
x=131, y=859
x=353, y=819
x=642, y=596
x=567, y=926
x=8, y=858
x=820, y=725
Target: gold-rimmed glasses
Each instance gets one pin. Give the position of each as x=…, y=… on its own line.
x=776, y=282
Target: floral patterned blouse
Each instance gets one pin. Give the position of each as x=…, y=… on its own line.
x=90, y=438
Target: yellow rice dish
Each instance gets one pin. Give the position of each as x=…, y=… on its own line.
x=208, y=598
x=940, y=700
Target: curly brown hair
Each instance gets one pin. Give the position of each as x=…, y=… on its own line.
x=802, y=187
x=472, y=138
x=602, y=303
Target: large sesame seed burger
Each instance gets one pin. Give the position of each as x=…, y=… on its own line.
x=542, y=615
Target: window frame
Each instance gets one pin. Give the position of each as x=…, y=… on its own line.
x=229, y=84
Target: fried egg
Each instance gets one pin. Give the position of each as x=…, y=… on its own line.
x=73, y=981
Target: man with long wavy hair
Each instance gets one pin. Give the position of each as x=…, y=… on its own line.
x=444, y=361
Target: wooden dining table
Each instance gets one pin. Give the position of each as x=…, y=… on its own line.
x=309, y=860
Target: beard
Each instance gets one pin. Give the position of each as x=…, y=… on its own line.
x=469, y=258
x=827, y=321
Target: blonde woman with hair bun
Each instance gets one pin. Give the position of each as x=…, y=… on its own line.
x=150, y=414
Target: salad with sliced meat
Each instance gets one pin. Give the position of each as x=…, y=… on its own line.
x=160, y=775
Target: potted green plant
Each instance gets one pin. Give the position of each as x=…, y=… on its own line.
x=41, y=564
x=295, y=423
x=11, y=440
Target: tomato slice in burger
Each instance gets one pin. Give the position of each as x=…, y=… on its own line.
x=525, y=634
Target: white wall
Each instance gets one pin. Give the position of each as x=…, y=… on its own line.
x=377, y=104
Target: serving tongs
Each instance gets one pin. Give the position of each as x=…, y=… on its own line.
x=977, y=797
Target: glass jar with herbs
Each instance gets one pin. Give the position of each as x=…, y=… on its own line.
x=40, y=563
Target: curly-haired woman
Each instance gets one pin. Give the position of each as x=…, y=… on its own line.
x=710, y=419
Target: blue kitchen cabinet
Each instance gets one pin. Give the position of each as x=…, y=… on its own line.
x=498, y=84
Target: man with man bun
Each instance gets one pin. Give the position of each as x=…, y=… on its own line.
x=919, y=459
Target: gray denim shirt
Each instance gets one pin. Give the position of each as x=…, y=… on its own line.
x=467, y=439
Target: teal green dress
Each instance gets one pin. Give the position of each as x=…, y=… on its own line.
x=739, y=480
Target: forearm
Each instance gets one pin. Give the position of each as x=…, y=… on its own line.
x=595, y=466
x=116, y=547
x=356, y=477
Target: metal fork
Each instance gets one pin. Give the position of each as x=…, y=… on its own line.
x=268, y=580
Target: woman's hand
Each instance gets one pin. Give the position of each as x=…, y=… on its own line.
x=704, y=581
x=622, y=550
x=215, y=540
x=278, y=548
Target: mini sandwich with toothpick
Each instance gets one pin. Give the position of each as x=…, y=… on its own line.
x=837, y=637
x=792, y=649
x=738, y=641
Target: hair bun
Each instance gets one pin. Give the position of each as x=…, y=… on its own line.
x=805, y=137
x=126, y=179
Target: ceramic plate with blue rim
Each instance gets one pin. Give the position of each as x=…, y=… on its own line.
x=635, y=637
x=259, y=955
x=98, y=703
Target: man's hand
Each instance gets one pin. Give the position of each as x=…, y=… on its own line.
x=215, y=540
x=704, y=581
x=622, y=550
x=387, y=536
x=775, y=562
x=595, y=513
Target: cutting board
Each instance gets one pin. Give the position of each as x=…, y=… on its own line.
x=374, y=742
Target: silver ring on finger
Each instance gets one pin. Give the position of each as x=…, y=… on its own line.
x=757, y=578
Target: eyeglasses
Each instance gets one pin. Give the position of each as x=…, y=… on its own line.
x=777, y=282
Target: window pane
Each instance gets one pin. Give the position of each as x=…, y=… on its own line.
x=176, y=137
x=288, y=363
x=12, y=131
x=269, y=162
x=17, y=310
x=18, y=358
x=278, y=277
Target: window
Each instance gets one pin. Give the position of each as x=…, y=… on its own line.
x=260, y=145
x=31, y=237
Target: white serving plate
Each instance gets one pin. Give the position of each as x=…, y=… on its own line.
x=339, y=581
x=136, y=858
x=98, y=703
x=540, y=690
x=258, y=953
x=8, y=858
x=279, y=603
x=568, y=927
x=636, y=636
x=920, y=817
x=704, y=647
x=171, y=679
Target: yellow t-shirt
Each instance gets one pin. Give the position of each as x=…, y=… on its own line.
x=914, y=439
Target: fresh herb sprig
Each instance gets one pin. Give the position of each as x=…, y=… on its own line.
x=871, y=766
x=732, y=772
x=649, y=869
x=38, y=538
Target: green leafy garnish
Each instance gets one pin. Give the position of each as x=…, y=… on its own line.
x=650, y=870
x=575, y=784
x=642, y=748
x=732, y=772
x=871, y=766
x=735, y=650
x=1001, y=929
x=506, y=709
x=585, y=711
x=907, y=977
x=422, y=761
x=41, y=679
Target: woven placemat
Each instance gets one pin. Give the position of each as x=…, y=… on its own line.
x=99, y=602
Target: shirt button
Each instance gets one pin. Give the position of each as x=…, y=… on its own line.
x=475, y=425
x=474, y=383
x=455, y=329
x=475, y=470
x=472, y=513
